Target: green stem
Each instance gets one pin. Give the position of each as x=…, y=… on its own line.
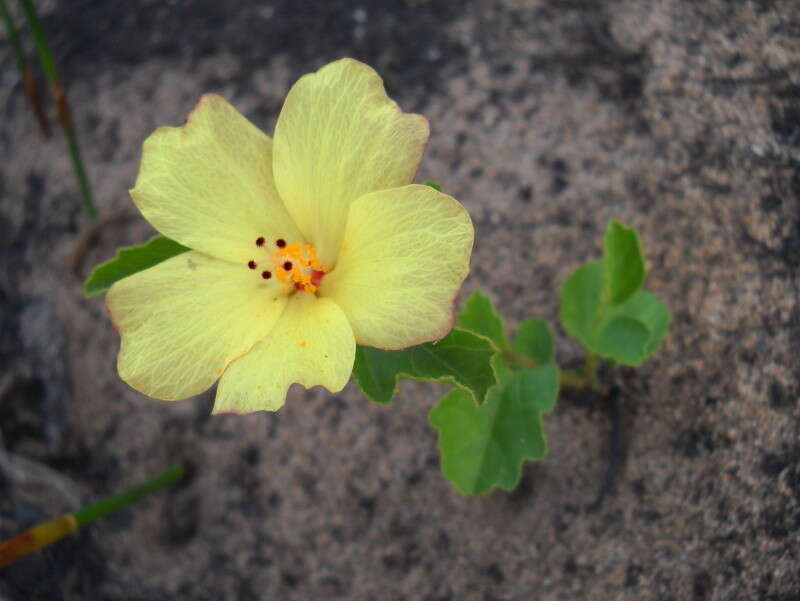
x=25, y=73
x=104, y=506
x=77, y=164
x=573, y=379
x=585, y=377
x=62, y=107
x=13, y=38
x=517, y=360
x=42, y=47
x=590, y=369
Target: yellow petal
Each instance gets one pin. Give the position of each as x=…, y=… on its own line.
x=208, y=184
x=404, y=256
x=338, y=137
x=185, y=319
x=311, y=344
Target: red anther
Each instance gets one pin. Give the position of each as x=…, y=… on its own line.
x=287, y=265
x=316, y=276
x=251, y=264
x=260, y=241
x=266, y=275
x=280, y=242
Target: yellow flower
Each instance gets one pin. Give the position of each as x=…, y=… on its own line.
x=303, y=246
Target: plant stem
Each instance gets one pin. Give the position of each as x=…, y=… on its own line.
x=62, y=107
x=590, y=369
x=48, y=532
x=573, y=379
x=104, y=506
x=25, y=73
x=516, y=359
x=13, y=38
x=585, y=377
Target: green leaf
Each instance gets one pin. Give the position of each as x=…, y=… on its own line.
x=649, y=310
x=602, y=328
x=479, y=316
x=462, y=358
x=623, y=263
x=433, y=184
x=130, y=260
x=534, y=340
x=623, y=339
x=580, y=301
x=483, y=447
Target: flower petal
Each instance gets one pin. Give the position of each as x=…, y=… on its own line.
x=312, y=344
x=338, y=137
x=185, y=319
x=404, y=256
x=208, y=184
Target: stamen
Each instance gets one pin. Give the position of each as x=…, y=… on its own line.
x=294, y=265
x=316, y=277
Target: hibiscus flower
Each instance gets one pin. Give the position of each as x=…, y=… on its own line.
x=302, y=246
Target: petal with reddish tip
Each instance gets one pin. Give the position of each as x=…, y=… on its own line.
x=208, y=184
x=338, y=137
x=311, y=344
x=184, y=320
x=404, y=256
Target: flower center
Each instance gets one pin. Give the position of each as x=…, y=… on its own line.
x=294, y=265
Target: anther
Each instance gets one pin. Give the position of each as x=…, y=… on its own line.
x=287, y=265
x=260, y=241
x=266, y=275
x=251, y=264
x=280, y=242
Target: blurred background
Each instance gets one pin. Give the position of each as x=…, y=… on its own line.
x=548, y=117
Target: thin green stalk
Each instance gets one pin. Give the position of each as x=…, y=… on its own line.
x=13, y=38
x=104, y=506
x=517, y=360
x=25, y=73
x=585, y=377
x=49, y=532
x=62, y=107
x=42, y=47
x=572, y=379
x=590, y=369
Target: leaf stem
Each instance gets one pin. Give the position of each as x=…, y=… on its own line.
x=62, y=107
x=518, y=360
x=590, y=369
x=585, y=377
x=574, y=379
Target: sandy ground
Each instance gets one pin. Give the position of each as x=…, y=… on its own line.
x=548, y=118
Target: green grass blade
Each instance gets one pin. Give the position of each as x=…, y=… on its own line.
x=62, y=107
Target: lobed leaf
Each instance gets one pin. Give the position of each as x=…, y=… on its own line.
x=480, y=316
x=623, y=339
x=580, y=301
x=645, y=307
x=483, y=447
x=463, y=358
x=534, y=340
x=627, y=332
x=129, y=260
